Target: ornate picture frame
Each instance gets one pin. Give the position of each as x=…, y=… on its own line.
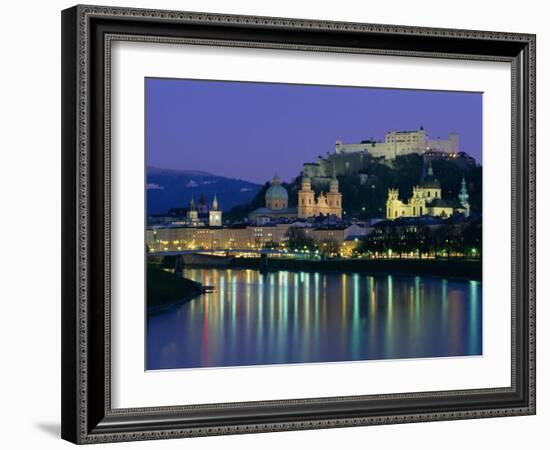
x=87, y=35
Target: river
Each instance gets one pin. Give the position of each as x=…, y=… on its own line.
x=288, y=317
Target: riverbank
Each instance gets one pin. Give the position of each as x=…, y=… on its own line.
x=454, y=268
x=164, y=289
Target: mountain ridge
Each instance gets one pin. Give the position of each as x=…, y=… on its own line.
x=173, y=188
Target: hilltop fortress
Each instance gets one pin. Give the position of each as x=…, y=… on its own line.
x=352, y=159
x=398, y=143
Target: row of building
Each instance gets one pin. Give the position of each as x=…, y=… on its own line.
x=247, y=237
x=342, y=238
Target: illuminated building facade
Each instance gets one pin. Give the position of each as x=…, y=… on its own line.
x=398, y=143
x=329, y=204
x=426, y=201
x=251, y=237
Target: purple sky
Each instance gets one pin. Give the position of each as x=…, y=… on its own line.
x=252, y=130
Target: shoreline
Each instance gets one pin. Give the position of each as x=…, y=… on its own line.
x=448, y=268
x=461, y=269
x=166, y=290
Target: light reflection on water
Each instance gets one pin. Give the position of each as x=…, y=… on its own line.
x=287, y=317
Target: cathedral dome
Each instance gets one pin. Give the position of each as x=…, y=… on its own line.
x=276, y=191
x=276, y=197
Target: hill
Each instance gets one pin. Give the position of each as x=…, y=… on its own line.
x=367, y=198
x=169, y=188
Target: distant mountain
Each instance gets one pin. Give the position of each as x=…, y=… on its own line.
x=158, y=171
x=169, y=188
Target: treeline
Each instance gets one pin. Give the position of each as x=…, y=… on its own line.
x=444, y=240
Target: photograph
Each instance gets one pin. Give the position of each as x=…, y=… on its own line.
x=300, y=223
x=276, y=220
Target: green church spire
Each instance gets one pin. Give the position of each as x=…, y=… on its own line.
x=463, y=196
x=430, y=170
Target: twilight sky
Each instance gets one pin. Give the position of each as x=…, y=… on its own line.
x=252, y=130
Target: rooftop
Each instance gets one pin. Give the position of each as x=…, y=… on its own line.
x=439, y=202
x=264, y=210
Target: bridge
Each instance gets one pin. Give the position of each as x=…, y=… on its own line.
x=226, y=252
x=213, y=257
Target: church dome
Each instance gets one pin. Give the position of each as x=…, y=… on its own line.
x=276, y=191
x=430, y=181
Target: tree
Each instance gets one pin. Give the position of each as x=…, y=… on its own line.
x=329, y=247
x=426, y=238
x=409, y=241
x=449, y=239
x=297, y=239
x=472, y=238
x=271, y=245
x=370, y=244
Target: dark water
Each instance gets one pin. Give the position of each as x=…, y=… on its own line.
x=288, y=317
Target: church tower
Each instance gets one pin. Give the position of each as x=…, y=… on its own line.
x=417, y=202
x=306, y=199
x=392, y=204
x=202, y=207
x=463, y=197
x=334, y=198
x=215, y=214
x=192, y=213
